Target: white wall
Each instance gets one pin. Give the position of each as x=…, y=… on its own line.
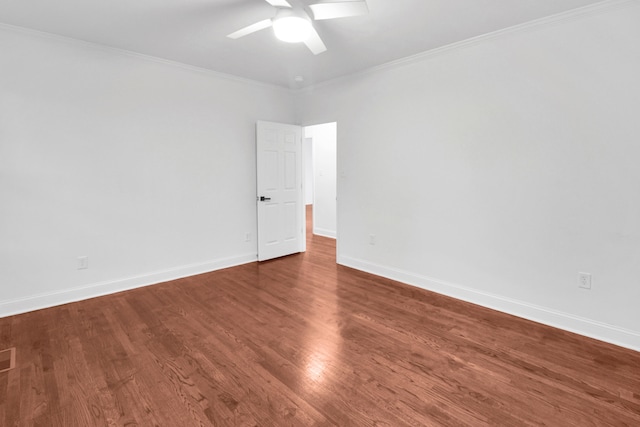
x=307, y=155
x=324, y=147
x=496, y=170
x=146, y=167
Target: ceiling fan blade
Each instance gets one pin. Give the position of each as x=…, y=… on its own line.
x=315, y=43
x=278, y=3
x=251, y=29
x=331, y=10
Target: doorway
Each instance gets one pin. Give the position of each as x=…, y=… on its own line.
x=320, y=163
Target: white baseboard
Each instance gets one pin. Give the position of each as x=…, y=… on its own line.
x=579, y=325
x=50, y=299
x=324, y=232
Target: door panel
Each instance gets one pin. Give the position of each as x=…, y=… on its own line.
x=290, y=174
x=281, y=214
x=270, y=170
x=290, y=214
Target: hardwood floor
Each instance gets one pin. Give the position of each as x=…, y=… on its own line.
x=301, y=341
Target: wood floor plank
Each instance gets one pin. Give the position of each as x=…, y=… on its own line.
x=301, y=341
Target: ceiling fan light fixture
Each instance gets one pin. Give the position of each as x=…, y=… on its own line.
x=292, y=29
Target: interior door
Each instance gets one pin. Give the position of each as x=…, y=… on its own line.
x=281, y=213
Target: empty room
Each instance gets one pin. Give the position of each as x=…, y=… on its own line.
x=180, y=246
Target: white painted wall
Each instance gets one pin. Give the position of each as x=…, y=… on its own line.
x=307, y=155
x=146, y=167
x=496, y=170
x=324, y=147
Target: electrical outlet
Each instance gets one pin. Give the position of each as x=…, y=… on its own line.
x=83, y=262
x=247, y=237
x=584, y=280
x=372, y=239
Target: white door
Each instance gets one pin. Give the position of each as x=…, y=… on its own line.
x=281, y=213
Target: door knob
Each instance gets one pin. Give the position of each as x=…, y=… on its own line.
x=264, y=199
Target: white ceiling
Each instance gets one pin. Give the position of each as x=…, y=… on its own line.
x=194, y=31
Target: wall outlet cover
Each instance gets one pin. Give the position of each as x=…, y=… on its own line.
x=83, y=262
x=584, y=280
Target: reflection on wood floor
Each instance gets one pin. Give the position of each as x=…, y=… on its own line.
x=301, y=341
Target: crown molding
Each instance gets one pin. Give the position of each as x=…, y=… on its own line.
x=563, y=17
x=141, y=56
x=557, y=19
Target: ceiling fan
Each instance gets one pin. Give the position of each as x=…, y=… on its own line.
x=295, y=25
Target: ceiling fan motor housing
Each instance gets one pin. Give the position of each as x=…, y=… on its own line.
x=292, y=26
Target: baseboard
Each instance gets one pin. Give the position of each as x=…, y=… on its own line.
x=46, y=300
x=579, y=325
x=324, y=232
